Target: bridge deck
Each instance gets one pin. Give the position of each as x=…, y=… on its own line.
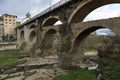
x=57, y=5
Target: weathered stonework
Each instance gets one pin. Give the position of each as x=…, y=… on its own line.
x=70, y=35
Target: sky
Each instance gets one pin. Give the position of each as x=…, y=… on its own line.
x=21, y=7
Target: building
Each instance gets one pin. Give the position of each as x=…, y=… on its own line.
x=1, y=32
x=9, y=23
x=1, y=28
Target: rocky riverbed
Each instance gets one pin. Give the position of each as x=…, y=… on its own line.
x=36, y=69
x=41, y=68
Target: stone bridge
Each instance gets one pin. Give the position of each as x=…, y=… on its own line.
x=41, y=37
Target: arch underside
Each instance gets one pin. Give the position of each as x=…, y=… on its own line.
x=32, y=37
x=82, y=36
x=50, y=22
x=78, y=49
x=22, y=39
x=48, y=42
x=32, y=26
x=82, y=11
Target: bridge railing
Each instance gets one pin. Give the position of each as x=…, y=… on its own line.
x=60, y=3
x=52, y=7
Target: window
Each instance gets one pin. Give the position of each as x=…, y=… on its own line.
x=5, y=19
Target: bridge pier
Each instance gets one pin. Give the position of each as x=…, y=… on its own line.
x=64, y=49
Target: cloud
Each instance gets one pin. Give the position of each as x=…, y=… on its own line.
x=104, y=12
x=21, y=7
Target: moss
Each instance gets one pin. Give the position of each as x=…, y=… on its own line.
x=65, y=48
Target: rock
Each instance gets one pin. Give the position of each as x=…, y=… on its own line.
x=38, y=52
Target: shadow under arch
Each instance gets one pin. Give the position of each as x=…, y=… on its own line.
x=77, y=48
x=48, y=42
x=32, y=37
x=22, y=39
x=82, y=35
x=32, y=26
x=86, y=7
x=50, y=21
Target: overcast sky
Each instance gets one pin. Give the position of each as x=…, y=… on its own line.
x=21, y=7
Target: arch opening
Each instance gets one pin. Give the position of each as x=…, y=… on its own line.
x=51, y=21
x=95, y=39
x=32, y=26
x=48, y=42
x=22, y=39
x=32, y=37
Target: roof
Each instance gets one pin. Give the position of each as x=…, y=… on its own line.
x=9, y=15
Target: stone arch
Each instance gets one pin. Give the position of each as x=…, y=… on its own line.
x=83, y=34
x=32, y=26
x=77, y=43
x=85, y=7
x=48, y=42
x=22, y=38
x=50, y=21
x=32, y=37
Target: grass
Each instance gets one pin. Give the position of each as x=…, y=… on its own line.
x=80, y=74
x=110, y=69
x=11, y=57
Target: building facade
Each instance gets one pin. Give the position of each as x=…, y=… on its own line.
x=9, y=23
x=1, y=32
x=1, y=28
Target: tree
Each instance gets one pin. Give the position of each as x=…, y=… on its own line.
x=4, y=38
x=11, y=37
